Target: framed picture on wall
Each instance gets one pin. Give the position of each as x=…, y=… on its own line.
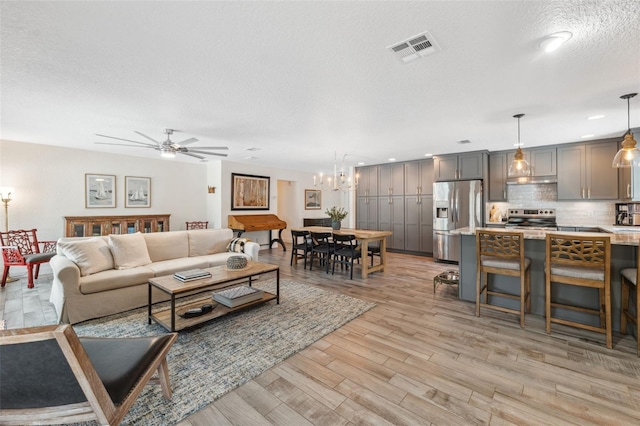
x=312, y=199
x=137, y=191
x=249, y=192
x=99, y=191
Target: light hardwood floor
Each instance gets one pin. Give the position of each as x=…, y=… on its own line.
x=418, y=359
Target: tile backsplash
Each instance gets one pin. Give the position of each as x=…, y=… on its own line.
x=568, y=213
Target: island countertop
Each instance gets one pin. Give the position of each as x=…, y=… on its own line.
x=618, y=237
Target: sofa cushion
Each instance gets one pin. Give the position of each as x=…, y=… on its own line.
x=129, y=250
x=167, y=245
x=208, y=241
x=168, y=267
x=237, y=245
x=114, y=279
x=91, y=255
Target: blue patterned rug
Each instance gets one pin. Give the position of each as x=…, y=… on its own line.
x=208, y=361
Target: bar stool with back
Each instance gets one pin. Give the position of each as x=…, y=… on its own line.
x=584, y=261
x=502, y=253
x=630, y=279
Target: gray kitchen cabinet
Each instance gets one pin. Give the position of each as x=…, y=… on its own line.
x=367, y=181
x=498, y=168
x=585, y=172
x=469, y=165
x=391, y=218
x=367, y=213
x=418, y=177
x=418, y=223
x=391, y=179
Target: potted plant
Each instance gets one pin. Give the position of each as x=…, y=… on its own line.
x=336, y=214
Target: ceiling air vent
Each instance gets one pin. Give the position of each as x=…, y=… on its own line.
x=464, y=141
x=415, y=47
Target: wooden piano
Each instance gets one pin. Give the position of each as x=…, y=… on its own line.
x=258, y=222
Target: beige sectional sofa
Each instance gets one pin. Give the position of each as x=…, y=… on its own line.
x=99, y=276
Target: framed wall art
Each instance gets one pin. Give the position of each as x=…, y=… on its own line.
x=249, y=192
x=99, y=191
x=312, y=199
x=137, y=191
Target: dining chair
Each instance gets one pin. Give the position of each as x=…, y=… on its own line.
x=322, y=249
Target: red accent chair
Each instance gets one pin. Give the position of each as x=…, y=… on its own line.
x=22, y=248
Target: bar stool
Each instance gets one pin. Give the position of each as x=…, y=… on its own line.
x=502, y=253
x=584, y=261
x=630, y=278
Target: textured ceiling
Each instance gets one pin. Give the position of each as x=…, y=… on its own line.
x=300, y=80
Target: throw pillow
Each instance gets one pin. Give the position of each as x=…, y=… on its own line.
x=236, y=245
x=129, y=250
x=91, y=255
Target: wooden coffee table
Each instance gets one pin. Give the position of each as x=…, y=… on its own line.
x=220, y=278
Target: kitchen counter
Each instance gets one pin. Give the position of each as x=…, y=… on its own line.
x=618, y=237
x=623, y=255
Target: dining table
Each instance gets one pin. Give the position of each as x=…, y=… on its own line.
x=364, y=237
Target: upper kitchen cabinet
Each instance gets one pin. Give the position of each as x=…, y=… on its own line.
x=470, y=165
x=391, y=180
x=367, y=181
x=418, y=177
x=542, y=160
x=498, y=176
x=585, y=172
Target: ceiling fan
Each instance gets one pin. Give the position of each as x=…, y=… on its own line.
x=168, y=149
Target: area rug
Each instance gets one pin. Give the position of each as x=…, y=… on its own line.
x=210, y=360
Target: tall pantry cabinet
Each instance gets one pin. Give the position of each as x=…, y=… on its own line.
x=401, y=202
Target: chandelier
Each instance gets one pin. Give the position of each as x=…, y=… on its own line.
x=341, y=181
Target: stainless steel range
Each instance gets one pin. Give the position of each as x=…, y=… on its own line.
x=535, y=219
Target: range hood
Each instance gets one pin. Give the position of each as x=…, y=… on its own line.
x=532, y=180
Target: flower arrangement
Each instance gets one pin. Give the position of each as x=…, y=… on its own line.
x=336, y=213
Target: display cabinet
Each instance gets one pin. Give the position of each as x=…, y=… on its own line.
x=87, y=226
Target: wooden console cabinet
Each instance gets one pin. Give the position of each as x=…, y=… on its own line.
x=88, y=226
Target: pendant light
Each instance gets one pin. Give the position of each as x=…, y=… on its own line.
x=629, y=155
x=519, y=166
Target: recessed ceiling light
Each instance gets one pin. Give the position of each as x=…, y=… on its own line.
x=595, y=117
x=428, y=155
x=555, y=40
x=392, y=159
x=521, y=144
x=361, y=163
x=587, y=136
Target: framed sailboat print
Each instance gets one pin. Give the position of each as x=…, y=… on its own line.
x=99, y=191
x=137, y=191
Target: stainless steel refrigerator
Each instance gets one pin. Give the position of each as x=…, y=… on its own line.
x=456, y=204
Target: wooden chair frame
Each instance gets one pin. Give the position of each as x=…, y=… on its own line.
x=502, y=246
x=98, y=405
x=625, y=311
x=580, y=251
x=22, y=248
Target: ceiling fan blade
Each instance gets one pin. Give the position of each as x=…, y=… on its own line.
x=147, y=145
x=212, y=147
x=126, y=140
x=204, y=152
x=188, y=141
x=145, y=136
x=192, y=155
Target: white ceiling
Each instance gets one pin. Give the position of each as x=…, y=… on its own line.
x=300, y=80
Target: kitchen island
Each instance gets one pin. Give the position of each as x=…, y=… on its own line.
x=623, y=255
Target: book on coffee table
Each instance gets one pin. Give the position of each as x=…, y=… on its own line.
x=237, y=296
x=191, y=274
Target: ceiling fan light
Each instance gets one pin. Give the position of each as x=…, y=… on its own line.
x=167, y=153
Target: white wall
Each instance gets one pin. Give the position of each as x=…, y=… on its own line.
x=49, y=184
